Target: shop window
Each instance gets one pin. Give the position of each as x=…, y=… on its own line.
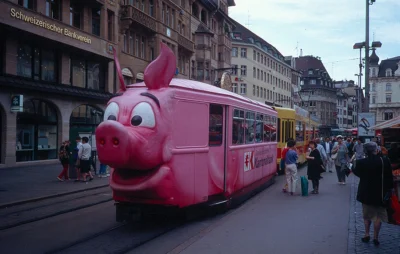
x=96, y=21
x=87, y=74
x=53, y=9
x=86, y=115
x=36, y=63
x=29, y=4
x=37, y=131
x=238, y=127
x=75, y=13
x=216, y=125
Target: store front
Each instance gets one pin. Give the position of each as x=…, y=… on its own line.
x=37, y=131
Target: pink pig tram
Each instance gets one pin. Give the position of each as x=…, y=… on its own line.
x=174, y=143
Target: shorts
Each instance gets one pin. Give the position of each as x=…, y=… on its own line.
x=85, y=166
x=374, y=212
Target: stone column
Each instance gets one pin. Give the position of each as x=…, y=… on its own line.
x=103, y=23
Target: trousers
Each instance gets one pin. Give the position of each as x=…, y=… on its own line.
x=315, y=184
x=291, y=177
x=341, y=174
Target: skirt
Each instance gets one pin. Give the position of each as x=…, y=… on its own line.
x=374, y=212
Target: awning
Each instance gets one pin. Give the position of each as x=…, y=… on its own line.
x=395, y=122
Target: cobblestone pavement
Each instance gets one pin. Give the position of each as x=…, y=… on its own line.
x=389, y=236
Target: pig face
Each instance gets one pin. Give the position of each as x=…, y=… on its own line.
x=134, y=137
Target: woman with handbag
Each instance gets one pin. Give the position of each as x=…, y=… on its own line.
x=340, y=154
x=315, y=167
x=376, y=182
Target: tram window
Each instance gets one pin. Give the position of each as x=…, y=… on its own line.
x=216, y=125
x=250, y=130
x=287, y=131
x=259, y=128
x=299, y=131
x=278, y=131
x=238, y=127
x=267, y=129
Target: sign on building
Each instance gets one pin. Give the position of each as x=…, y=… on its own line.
x=17, y=103
x=365, y=122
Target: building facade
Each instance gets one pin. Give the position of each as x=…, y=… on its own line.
x=346, y=104
x=318, y=92
x=296, y=80
x=259, y=70
x=211, y=28
x=385, y=87
x=58, y=56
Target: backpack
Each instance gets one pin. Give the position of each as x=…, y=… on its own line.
x=63, y=154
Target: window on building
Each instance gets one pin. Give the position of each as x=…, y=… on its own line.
x=87, y=74
x=234, y=69
x=96, y=21
x=142, y=47
x=173, y=19
x=75, y=15
x=29, y=4
x=387, y=115
x=373, y=88
x=388, y=87
x=258, y=91
x=243, y=89
x=258, y=73
x=243, y=52
x=36, y=63
x=388, y=72
x=235, y=52
x=373, y=99
x=235, y=87
x=254, y=90
x=388, y=98
x=243, y=70
x=313, y=82
x=53, y=9
x=151, y=8
x=142, y=5
x=310, y=72
x=110, y=25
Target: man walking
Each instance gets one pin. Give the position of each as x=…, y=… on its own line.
x=327, y=146
x=358, y=149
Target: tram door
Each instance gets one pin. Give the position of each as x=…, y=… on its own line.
x=217, y=142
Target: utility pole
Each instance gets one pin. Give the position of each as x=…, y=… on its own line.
x=367, y=55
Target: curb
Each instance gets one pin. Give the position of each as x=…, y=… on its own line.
x=25, y=201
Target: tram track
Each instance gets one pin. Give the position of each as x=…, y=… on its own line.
x=44, y=209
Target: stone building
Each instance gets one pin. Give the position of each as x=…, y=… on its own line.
x=211, y=28
x=259, y=69
x=58, y=56
x=318, y=92
x=346, y=117
x=296, y=80
x=385, y=87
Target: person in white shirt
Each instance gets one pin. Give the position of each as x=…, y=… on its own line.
x=77, y=161
x=327, y=146
x=84, y=156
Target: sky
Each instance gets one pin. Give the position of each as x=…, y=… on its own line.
x=324, y=28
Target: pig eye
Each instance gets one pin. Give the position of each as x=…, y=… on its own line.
x=111, y=112
x=143, y=115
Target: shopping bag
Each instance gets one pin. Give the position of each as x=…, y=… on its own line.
x=304, y=186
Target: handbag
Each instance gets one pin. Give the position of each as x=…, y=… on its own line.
x=334, y=156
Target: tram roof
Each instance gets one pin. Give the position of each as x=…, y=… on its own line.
x=203, y=87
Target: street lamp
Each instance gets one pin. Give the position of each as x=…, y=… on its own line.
x=360, y=46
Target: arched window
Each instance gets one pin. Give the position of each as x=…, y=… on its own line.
x=37, y=131
x=388, y=72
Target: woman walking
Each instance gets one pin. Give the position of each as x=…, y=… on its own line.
x=315, y=165
x=291, y=168
x=376, y=180
x=63, y=156
x=341, y=153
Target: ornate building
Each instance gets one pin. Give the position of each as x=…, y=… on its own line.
x=318, y=92
x=211, y=28
x=259, y=69
x=385, y=87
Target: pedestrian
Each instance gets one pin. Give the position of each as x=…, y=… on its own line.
x=63, y=156
x=328, y=145
x=283, y=164
x=76, y=158
x=376, y=181
x=84, y=157
x=315, y=166
x=358, y=149
x=103, y=170
x=322, y=153
x=341, y=158
x=351, y=147
x=291, y=168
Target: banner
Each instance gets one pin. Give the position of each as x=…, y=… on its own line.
x=365, y=121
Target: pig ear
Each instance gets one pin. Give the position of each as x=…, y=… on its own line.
x=160, y=72
x=122, y=86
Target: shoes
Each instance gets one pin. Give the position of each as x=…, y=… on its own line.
x=365, y=239
x=376, y=242
x=61, y=180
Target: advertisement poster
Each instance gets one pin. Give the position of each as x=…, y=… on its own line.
x=365, y=121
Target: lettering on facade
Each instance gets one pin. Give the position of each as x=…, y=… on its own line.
x=49, y=26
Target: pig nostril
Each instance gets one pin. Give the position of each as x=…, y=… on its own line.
x=102, y=141
x=115, y=141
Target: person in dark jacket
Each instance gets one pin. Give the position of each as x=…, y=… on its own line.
x=376, y=179
x=63, y=156
x=315, y=165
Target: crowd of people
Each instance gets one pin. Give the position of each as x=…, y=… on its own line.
x=370, y=162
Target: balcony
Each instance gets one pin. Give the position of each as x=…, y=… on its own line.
x=224, y=40
x=186, y=43
x=131, y=13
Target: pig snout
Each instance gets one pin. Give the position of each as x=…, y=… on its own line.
x=113, y=144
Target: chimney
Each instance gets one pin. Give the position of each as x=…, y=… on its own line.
x=301, y=52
